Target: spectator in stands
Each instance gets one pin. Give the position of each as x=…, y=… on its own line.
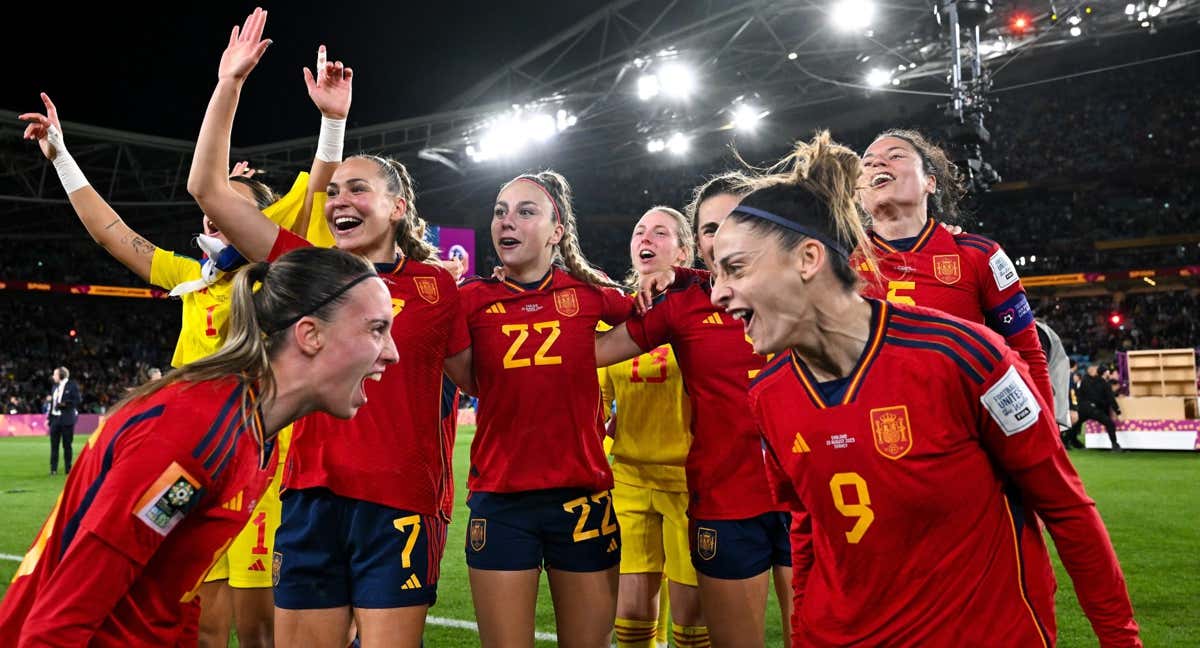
x=1096, y=400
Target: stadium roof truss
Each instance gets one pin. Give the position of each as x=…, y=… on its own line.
x=782, y=56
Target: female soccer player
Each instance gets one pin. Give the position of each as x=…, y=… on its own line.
x=362, y=534
x=904, y=477
x=237, y=590
x=907, y=184
x=652, y=432
x=738, y=533
x=153, y=502
x=540, y=483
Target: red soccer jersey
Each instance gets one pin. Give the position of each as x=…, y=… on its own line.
x=143, y=515
x=534, y=350
x=908, y=535
x=392, y=451
x=967, y=276
x=725, y=474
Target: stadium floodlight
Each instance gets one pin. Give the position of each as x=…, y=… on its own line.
x=852, y=15
x=1076, y=32
x=1142, y=16
x=1074, y=20
x=677, y=80
x=1154, y=10
x=746, y=117
x=678, y=143
x=1162, y=3
x=877, y=77
x=1130, y=9
x=647, y=87
x=792, y=56
x=655, y=145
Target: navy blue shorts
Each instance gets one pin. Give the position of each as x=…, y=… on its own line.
x=737, y=549
x=568, y=529
x=333, y=551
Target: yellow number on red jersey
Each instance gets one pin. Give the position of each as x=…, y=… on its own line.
x=541, y=357
x=861, y=509
x=894, y=296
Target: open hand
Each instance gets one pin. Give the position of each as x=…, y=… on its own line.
x=331, y=89
x=245, y=48
x=242, y=169
x=46, y=129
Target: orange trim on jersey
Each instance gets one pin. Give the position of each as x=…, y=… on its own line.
x=401, y=261
x=1021, y=576
x=879, y=319
x=922, y=238
x=512, y=285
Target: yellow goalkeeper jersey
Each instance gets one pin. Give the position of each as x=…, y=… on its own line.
x=653, y=430
x=206, y=311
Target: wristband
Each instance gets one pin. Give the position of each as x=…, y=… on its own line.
x=69, y=173
x=329, y=143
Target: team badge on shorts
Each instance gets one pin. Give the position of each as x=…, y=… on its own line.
x=946, y=268
x=427, y=288
x=478, y=534
x=276, y=564
x=706, y=543
x=891, y=431
x=566, y=302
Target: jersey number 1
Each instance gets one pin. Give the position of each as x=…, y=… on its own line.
x=658, y=358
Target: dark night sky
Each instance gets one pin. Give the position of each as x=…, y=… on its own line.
x=151, y=70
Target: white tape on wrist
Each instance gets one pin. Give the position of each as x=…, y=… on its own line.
x=329, y=144
x=69, y=173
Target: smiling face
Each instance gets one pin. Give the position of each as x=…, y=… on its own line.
x=894, y=176
x=357, y=346
x=210, y=228
x=761, y=284
x=361, y=212
x=655, y=244
x=709, y=216
x=524, y=231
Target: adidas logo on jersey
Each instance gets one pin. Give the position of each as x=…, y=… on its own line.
x=234, y=504
x=612, y=546
x=257, y=566
x=799, y=446
x=715, y=318
x=495, y=309
x=412, y=583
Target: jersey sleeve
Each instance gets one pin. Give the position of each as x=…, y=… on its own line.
x=616, y=306
x=1007, y=311
x=653, y=328
x=81, y=593
x=608, y=391
x=168, y=269
x=1020, y=434
x=286, y=210
x=151, y=486
x=286, y=242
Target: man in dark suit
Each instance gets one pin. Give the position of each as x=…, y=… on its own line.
x=1096, y=400
x=64, y=404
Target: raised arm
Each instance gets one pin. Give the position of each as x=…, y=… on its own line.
x=245, y=227
x=102, y=223
x=330, y=91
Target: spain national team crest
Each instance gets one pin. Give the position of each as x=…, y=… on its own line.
x=427, y=288
x=891, y=431
x=706, y=543
x=478, y=534
x=276, y=564
x=566, y=302
x=946, y=268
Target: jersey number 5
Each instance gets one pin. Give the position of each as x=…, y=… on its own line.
x=541, y=356
x=894, y=296
x=861, y=509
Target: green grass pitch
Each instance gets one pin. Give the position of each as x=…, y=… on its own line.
x=1150, y=502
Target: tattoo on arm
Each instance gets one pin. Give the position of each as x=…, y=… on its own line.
x=110, y=225
x=139, y=244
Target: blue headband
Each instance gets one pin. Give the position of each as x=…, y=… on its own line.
x=792, y=225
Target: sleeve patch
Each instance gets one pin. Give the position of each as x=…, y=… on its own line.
x=1003, y=270
x=1011, y=403
x=1012, y=316
x=168, y=499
